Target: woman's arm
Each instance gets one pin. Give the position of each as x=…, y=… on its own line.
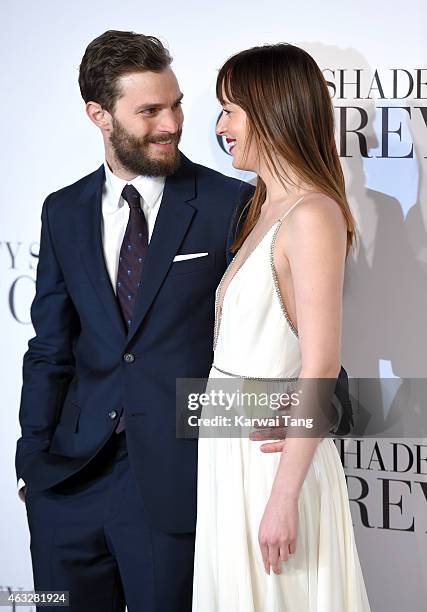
x=314, y=241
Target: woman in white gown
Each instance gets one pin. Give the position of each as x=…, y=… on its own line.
x=274, y=530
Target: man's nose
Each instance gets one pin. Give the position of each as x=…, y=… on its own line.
x=169, y=123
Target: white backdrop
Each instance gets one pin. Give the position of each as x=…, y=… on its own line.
x=47, y=142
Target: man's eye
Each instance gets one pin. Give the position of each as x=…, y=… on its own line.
x=178, y=104
x=149, y=111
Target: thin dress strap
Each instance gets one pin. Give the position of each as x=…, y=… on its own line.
x=274, y=271
x=291, y=208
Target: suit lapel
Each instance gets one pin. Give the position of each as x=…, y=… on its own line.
x=88, y=220
x=173, y=219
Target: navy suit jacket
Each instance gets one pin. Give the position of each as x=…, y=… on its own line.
x=83, y=369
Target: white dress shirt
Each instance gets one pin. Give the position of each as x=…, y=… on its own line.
x=115, y=216
x=115, y=213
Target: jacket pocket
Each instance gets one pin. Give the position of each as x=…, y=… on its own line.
x=195, y=264
x=65, y=435
x=69, y=417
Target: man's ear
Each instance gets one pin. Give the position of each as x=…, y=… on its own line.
x=99, y=116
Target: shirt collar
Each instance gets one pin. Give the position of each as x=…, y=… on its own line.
x=150, y=188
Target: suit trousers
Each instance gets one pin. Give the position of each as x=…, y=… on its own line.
x=90, y=535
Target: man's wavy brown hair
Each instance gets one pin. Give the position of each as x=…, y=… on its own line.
x=114, y=54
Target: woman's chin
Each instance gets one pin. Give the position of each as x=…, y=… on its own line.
x=235, y=163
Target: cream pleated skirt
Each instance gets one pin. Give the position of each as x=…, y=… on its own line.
x=234, y=484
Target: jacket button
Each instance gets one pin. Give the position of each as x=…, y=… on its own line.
x=129, y=357
x=112, y=414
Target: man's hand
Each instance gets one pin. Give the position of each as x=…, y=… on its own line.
x=278, y=434
x=275, y=436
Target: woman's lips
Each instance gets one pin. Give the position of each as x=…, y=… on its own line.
x=232, y=143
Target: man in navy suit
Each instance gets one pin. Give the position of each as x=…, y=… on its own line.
x=130, y=258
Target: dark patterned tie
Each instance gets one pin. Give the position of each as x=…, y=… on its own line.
x=131, y=260
x=132, y=254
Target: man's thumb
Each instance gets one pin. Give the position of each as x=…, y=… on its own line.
x=272, y=447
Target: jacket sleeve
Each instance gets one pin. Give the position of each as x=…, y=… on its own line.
x=48, y=365
x=343, y=405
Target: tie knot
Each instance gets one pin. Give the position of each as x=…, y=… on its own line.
x=132, y=197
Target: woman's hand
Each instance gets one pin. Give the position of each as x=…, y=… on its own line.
x=278, y=531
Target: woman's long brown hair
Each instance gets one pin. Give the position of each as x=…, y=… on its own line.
x=290, y=118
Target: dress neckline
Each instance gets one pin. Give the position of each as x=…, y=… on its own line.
x=219, y=302
x=241, y=265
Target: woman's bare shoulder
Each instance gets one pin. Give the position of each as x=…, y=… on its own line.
x=316, y=215
x=317, y=210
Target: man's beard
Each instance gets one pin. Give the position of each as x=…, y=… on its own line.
x=133, y=153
